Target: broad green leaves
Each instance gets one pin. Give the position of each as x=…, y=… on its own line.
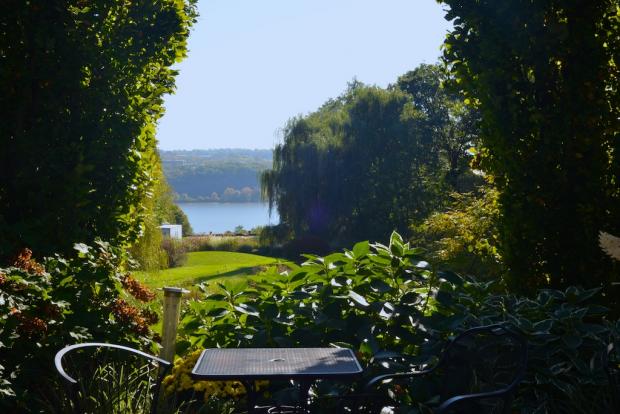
x=382, y=300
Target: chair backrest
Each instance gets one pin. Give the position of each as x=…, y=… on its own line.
x=108, y=378
x=481, y=360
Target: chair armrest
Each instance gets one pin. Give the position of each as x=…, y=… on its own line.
x=60, y=354
x=449, y=403
x=381, y=378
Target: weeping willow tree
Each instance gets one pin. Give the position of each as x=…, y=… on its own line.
x=369, y=162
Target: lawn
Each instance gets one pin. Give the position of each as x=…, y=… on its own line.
x=207, y=267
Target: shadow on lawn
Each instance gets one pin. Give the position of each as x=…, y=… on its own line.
x=242, y=271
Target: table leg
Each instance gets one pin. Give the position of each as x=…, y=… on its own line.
x=251, y=396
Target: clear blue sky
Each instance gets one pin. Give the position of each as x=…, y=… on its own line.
x=254, y=64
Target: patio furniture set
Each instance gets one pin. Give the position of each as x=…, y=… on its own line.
x=478, y=372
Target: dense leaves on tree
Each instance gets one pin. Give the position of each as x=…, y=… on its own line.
x=81, y=89
x=372, y=160
x=545, y=78
x=160, y=208
x=386, y=303
x=464, y=237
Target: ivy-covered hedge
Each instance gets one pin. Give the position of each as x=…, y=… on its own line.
x=380, y=300
x=44, y=307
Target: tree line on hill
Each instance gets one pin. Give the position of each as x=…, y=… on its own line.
x=220, y=175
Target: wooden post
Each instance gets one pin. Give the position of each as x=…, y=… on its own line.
x=172, y=309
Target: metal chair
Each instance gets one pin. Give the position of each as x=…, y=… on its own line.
x=108, y=378
x=478, y=372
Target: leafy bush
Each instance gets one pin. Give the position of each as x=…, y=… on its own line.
x=465, y=237
x=568, y=337
x=44, y=307
x=385, y=300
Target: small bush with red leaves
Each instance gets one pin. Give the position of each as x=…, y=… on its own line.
x=46, y=306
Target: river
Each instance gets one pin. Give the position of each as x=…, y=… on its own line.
x=222, y=217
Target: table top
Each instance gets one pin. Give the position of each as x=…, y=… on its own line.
x=266, y=363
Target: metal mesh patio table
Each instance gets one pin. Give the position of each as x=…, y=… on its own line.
x=304, y=365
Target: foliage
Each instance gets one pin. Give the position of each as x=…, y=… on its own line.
x=82, y=83
x=452, y=124
x=383, y=301
x=567, y=340
x=165, y=209
x=370, y=161
x=464, y=238
x=147, y=250
x=150, y=250
x=544, y=76
x=176, y=252
x=45, y=307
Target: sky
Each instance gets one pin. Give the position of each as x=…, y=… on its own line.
x=252, y=65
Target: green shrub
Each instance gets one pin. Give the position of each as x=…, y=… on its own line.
x=465, y=237
x=377, y=298
x=44, y=307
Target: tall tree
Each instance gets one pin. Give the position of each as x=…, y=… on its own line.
x=81, y=86
x=371, y=161
x=545, y=77
x=452, y=125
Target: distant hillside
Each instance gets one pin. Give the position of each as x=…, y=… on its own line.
x=225, y=175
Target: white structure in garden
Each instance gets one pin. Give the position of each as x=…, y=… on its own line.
x=174, y=231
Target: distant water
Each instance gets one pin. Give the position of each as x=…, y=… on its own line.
x=222, y=217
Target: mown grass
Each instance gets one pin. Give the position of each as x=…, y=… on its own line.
x=229, y=268
x=210, y=266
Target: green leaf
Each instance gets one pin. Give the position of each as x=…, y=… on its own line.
x=216, y=297
x=299, y=295
x=361, y=249
x=357, y=298
x=246, y=309
x=451, y=277
x=572, y=341
x=543, y=326
x=218, y=313
x=379, y=286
